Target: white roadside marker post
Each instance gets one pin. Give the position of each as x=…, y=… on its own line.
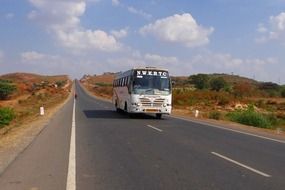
x=196, y=113
x=42, y=110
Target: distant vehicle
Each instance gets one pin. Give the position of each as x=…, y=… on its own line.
x=143, y=90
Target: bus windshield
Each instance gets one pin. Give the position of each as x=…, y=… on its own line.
x=151, y=85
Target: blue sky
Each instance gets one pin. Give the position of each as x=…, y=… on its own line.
x=79, y=37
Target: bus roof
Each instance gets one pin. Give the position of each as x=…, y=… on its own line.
x=128, y=72
x=149, y=68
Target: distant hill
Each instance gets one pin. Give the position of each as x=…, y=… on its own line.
x=28, y=82
x=106, y=78
x=231, y=79
x=22, y=77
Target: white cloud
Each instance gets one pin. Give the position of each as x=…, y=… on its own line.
x=181, y=29
x=139, y=12
x=41, y=63
x=160, y=60
x=9, y=15
x=32, y=56
x=120, y=33
x=137, y=59
x=88, y=40
x=132, y=9
x=274, y=30
x=208, y=62
x=261, y=28
x=115, y=2
x=62, y=19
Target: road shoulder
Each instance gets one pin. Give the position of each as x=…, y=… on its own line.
x=20, y=138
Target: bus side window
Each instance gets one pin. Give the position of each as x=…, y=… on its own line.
x=126, y=81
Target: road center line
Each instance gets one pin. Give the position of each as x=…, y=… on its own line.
x=71, y=174
x=242, y=165
x=154, y=128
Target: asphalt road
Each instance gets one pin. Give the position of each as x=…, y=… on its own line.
x=114, y=151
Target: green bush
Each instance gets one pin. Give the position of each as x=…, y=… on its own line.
x=223, y=100
x=6, y=116
x=201, y=81
x=283, y=92
x=252, y=118
x=215, y=115
x=218, y=83
x=102, y=84
x=60, y=83
x=6, y=89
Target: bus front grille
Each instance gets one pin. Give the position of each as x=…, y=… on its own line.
x=155, y=103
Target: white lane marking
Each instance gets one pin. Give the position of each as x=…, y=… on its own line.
x=242, y=165
x=154, y=128
x=71, y=175
x=233, y=130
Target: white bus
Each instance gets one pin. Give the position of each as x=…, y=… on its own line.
x=143, y=90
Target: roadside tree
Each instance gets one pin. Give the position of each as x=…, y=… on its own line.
x=218, y=83
x=6, y=89
x=201, y=81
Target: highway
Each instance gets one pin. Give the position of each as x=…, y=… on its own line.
x=88, y=145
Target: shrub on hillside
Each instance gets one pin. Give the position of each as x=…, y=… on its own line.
x=102, y=84
x=6, y=116
x=223, y=100
x=242, y=89
x=250, y=117
x=218, y=83
x=201, y=81
x=269, y=86
x=61, y=83
x=6, y=89
x=283, y=92
x=215, y=115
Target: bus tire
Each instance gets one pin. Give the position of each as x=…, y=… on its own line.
x=126, y=107
x=158, y=115
x=117, y=108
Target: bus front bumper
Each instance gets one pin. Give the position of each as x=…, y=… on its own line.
x=161, y=110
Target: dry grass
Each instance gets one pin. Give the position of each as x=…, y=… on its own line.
x=100, y=85
x=33, y=91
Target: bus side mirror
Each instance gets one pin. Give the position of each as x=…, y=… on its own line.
x=172, y=83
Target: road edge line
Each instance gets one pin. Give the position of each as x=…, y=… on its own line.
x=241, y=165
x=71, y=173
x=228, y=129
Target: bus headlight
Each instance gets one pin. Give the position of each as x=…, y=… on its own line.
x=164, y=105
x=136, y=104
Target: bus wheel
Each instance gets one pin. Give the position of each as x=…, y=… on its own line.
x=126, y=107
x=158, y=115
x=117, y=109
